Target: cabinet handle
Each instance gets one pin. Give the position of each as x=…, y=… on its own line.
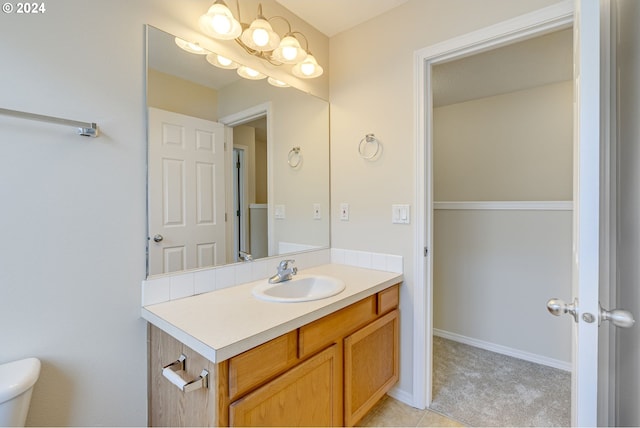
x=170, y=371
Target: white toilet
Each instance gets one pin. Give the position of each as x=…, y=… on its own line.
x=16, y=385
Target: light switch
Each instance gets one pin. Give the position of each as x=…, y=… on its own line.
x=279, y=212
x=344, y=211
x=400, y=214
x=317, y=214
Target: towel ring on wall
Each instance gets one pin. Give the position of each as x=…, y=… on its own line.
x=295, y=158
x=369, y=140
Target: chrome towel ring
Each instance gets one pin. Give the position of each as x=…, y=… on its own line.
x=369, y=147
x=295, y=158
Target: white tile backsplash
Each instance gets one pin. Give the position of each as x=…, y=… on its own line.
x=156, y=291
x=175, y=286
x=364, y=259
x=182, y=285
x=225, y=277
x=205, y=281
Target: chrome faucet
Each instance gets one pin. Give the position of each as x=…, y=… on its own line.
x=245, y=257
x=285, y=273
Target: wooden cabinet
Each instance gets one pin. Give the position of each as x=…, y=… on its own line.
x=370, y=366
x=306, y=395
x=327, y=373
x=168, y=405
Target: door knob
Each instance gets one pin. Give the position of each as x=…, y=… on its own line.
x=558, y=307
x=158, y=238
x=619, y=317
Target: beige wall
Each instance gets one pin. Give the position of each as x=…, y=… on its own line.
x=172, y=93
x=510, y=147
x=74, y=208
x=372, y=90
x=298, y=120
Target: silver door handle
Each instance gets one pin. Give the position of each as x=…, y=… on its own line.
x=558, y=307
x=619, y=317
x=158, y=238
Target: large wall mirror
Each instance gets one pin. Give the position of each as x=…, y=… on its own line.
x=238, y=169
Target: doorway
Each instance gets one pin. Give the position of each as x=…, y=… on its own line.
x=525, y=27
x=502, y=227
x=250, y=225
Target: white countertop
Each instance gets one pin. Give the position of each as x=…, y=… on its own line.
x=224, y=323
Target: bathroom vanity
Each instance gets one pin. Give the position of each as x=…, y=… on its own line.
x=318, y=363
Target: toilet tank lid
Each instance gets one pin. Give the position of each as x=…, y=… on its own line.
x=17, y=377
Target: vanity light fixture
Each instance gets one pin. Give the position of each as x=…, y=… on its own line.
x=221, y=61
x=250, y=73
x=278, y=83
x=190, y=47
x=260, y=40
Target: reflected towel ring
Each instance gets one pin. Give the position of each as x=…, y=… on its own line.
x=295, y=158
x=362, y=147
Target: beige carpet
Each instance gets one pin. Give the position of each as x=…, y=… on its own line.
x=483, y=388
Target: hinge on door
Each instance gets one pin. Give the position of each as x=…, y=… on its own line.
x=224, y=146
x=426, y=251
x=225, y=217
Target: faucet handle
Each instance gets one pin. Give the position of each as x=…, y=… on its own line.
x=284, y=264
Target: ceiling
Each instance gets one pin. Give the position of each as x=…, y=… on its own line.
x=535, y=62
x=322, y=15
x=527, y=64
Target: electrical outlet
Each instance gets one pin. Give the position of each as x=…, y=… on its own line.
x=280, y=212
x=317, y=215
x=344, y=211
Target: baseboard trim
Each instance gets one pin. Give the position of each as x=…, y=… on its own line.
x=516, y=353
x=402, y=395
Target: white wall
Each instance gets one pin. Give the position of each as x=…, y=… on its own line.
x=73, y=208
x=494, y=271
x=372, y=90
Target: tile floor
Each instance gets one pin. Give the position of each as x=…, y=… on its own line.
x=390, y=412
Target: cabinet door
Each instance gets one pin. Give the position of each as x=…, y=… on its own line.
x=306, y=395
x=371, y=366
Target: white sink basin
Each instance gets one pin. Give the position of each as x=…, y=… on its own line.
x=302, y=288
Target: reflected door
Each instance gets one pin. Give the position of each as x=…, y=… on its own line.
x=186, y=192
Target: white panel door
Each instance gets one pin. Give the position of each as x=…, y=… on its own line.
x=186, y=192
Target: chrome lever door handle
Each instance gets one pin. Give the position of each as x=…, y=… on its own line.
x=618, y=317
x=558, y=307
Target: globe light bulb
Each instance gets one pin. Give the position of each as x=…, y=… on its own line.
x=289, y=52
x=251, y=72
x=224, y=60
x=260, y=37
x=221, y=24
x=307, y=68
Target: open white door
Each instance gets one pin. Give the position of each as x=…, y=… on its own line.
x=586, y=237
x=585, y=309
x=186, y=192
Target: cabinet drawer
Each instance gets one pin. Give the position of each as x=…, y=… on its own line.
x=388, y=299
x=257, y=365
x=325, y=331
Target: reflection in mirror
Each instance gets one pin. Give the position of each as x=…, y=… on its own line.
x=221, y=187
